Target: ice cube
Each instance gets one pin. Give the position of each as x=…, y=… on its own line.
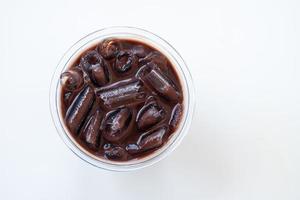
x=115, y=123
x=79, y=109
x=92, y=130
x=151, y=75
x=109, y=48
x=99, y=74
x=95, y=67
x=175, y=116
x=89, y=59
x=147, y=141
x=149, y=115
x=122, y=93
x=152, y=140
x=132, y=148
x=116, y=153
x=72, y=79
x=125, y=60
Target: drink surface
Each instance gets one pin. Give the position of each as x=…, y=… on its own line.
x=121, y=99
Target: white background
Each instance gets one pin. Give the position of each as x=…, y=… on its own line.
x=244, y=142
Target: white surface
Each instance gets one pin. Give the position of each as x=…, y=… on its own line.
x=244, y=142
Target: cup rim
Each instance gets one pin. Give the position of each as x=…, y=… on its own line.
x=182, y=71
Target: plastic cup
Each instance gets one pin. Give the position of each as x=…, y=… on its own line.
x=143, y=36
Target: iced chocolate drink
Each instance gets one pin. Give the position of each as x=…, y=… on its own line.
x=121, y=99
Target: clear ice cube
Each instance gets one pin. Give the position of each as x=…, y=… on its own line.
x=91, y=131
x=115, y=123
x=79, y=109
x=149, y=115
x=122, y=93
x=151, y=75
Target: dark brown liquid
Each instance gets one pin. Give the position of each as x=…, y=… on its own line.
x=121, y=99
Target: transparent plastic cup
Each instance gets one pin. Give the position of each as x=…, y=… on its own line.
x=143, y=36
